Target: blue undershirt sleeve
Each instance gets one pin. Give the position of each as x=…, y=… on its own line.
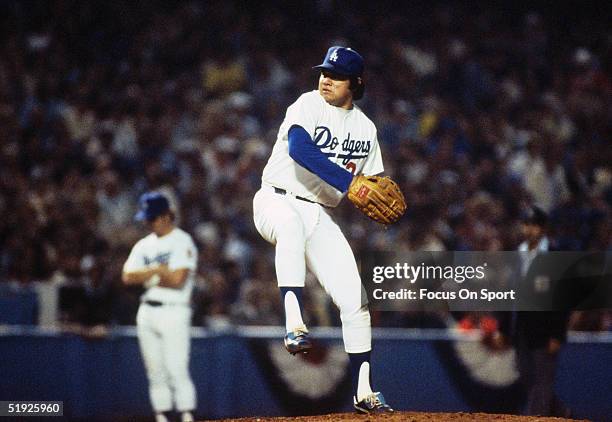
x=303, y=150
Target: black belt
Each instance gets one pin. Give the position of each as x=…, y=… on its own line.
x=156, y=303
x=284, y=192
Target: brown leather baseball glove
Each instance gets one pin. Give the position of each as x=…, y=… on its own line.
x=377, y=197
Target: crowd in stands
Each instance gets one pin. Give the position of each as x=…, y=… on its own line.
x=480, y=114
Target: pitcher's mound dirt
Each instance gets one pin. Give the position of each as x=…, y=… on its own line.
x=406, y=417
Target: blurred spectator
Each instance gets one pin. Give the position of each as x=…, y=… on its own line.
x=116, y=209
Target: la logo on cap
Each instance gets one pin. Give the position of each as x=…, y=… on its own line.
x=334, y=56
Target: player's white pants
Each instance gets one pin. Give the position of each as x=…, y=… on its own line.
x=164, y=339
x=306, y=235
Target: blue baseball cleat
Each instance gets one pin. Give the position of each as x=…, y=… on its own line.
x=374, y=403
x=297, y=341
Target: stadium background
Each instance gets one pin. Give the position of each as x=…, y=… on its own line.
x=481, y=110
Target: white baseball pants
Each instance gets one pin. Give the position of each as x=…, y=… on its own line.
x=305, y=235
x=164, y=339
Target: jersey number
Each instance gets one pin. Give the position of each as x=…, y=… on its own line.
x=352, y=167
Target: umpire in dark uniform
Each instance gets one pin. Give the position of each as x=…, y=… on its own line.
x=539, y=335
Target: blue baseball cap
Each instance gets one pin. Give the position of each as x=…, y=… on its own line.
x=343, y=61
x=151, y=205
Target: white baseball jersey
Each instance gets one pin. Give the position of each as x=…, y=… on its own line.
x=347, y=137
x=177, y=250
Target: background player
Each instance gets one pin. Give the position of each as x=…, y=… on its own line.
x=324, y=140
x=164, y=262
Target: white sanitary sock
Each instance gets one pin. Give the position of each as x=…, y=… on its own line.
x=293, y=315
x=363, y=387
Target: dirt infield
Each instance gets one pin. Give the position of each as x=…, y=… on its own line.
x=407, y=417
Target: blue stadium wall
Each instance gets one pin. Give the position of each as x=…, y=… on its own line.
x=246, y=372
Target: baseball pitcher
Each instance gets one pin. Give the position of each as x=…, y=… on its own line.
x=326, y=148
x=164, y=262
